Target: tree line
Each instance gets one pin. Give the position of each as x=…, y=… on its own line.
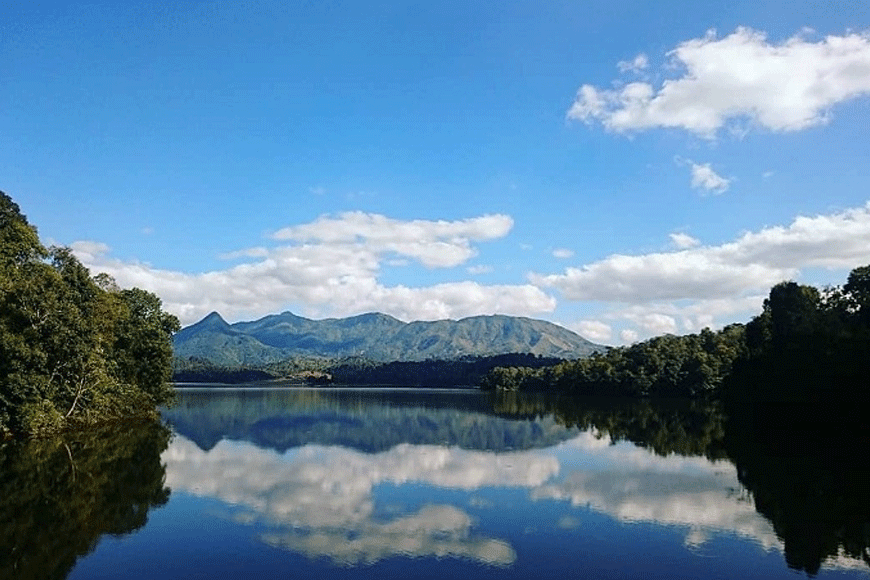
x=468, y=370
x=74, y=348
x=802, y=331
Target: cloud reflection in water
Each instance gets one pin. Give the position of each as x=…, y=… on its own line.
x=322, y=500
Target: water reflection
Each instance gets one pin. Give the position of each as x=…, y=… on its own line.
x=322, y=500
x=360, y=478
x=698, y=496
x=335, y=484
x=369, y=420
x=59, y=496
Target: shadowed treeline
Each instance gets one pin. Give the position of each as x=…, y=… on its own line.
x=59, y=496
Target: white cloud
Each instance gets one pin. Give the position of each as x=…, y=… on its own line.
x=752, y=263
x=434, y=531
x=563, y=253
x=637, y=64
x=684, y=241
x=333, y=269
x=686, y=274
x=703, y=177
x=632, y=484
x=88, y=250
x=787, y=86
x=690, y=316
x=628, y=336
x=434, y=243
x=699, y=286
x=657, y=323
x=594, y=330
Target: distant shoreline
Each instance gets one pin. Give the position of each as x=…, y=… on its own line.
x=280, y=384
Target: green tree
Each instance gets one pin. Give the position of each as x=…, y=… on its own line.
x=143, y=343
x=73, y=348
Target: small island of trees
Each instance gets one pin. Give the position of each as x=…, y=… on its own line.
x=75, y=349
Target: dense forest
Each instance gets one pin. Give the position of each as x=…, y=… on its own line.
x=802, y=332
x=74, y=348
x=462, y=371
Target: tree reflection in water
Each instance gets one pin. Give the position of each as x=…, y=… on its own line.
x=805, y=466
x=59, y=496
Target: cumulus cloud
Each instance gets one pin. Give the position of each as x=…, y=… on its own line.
x=697, y=286
x=682, y=317
x=693, y=315
x=89, y=251
x=753, y=262
x=632, y=484
x=434, y=243
x=258, y=252
x=594, y=330
x=628, y=336
x=786, y=86
x=332, y=267
x=562, y=253
x=701, y=504
x=434, y=531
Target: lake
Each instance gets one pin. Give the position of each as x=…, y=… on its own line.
x=380, y=483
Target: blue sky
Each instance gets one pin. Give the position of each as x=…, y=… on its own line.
x=621, y=168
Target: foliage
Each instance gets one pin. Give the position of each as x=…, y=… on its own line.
x=801, y=332
x=73, y=348
x=463, y=371
x=689, y=366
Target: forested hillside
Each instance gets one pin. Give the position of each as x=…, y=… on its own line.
x=74, y=348
x=374, y=336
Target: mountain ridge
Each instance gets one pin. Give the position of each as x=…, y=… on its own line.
x=375, y=336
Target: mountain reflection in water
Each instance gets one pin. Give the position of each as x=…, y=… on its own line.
x=398, y=484
x=359, y=477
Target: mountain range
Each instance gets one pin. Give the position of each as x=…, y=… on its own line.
x=374, y=336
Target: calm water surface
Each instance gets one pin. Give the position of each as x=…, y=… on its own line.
x=392, y=484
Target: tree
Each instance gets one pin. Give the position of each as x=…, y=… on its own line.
x=143, y=343
x=857, y=288
x=19, y=242
x=73, y=348
x=794, y=311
